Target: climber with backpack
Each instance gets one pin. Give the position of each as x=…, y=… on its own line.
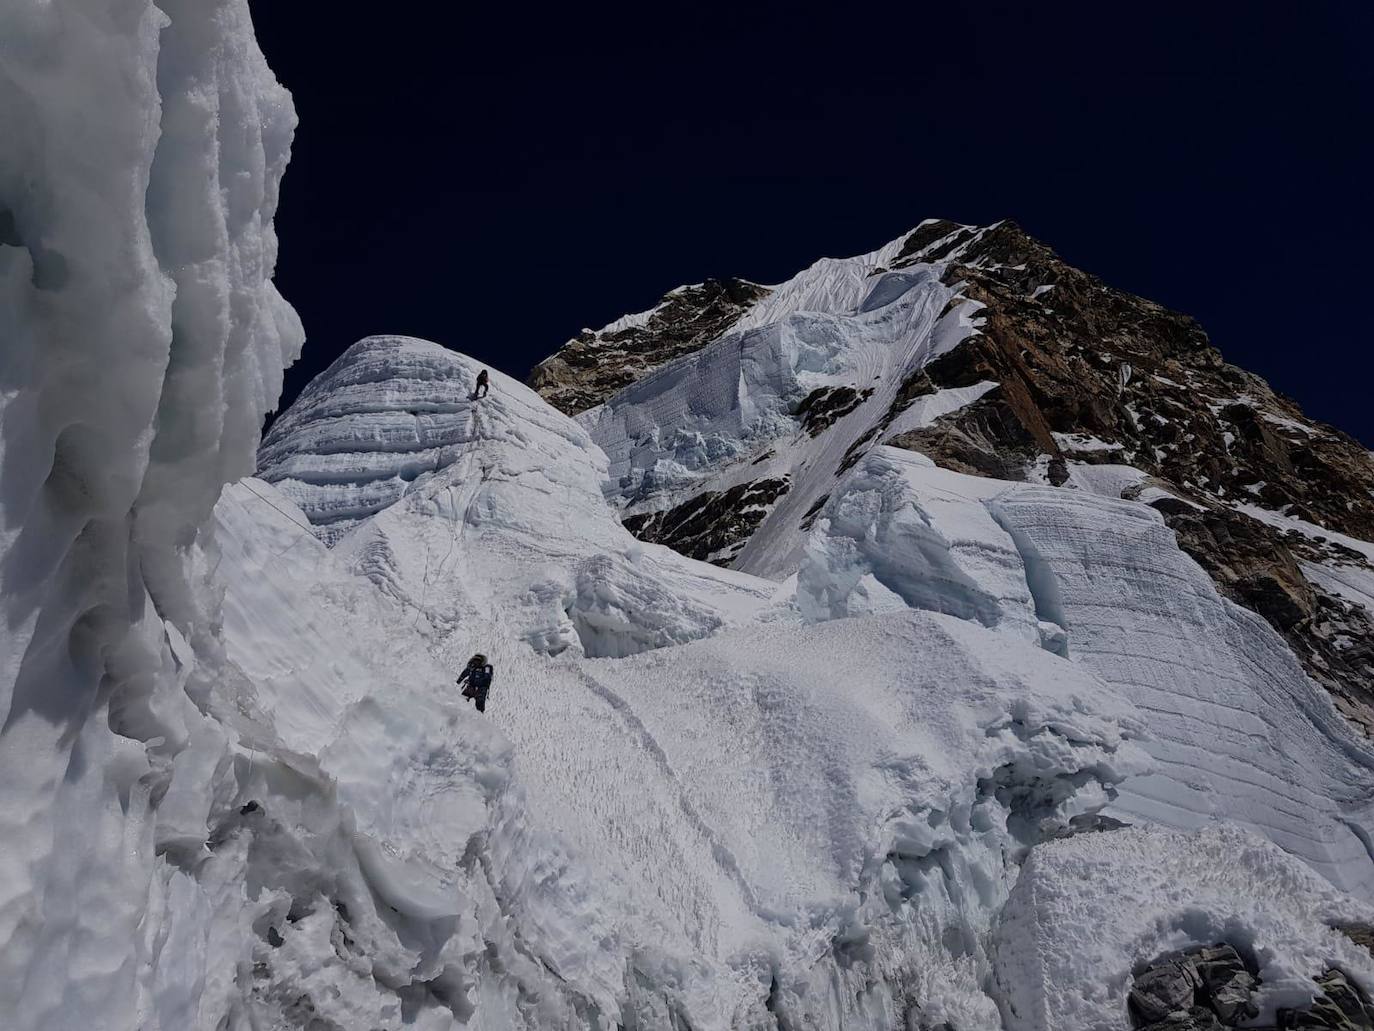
x=483, y=385
x=476, y=680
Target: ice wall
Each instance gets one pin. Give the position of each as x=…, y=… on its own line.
x=141, y=342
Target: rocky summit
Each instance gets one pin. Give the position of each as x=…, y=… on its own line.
x=1060, y=379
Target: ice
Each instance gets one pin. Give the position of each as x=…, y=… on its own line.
x=901, y=533
x=741, y=845
x=1239, y=731
x=143, y=344
x=840, y=324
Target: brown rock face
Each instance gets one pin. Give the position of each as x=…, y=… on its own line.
x=1085, y=374
x=593, y=366
x=1079, y=363
x=1080, y=358
x=714, y=525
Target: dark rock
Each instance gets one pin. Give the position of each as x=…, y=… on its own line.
x=1227, y=983
x=983, y=439
x=825, y=406
x=1361, y=934
x=714, y=525
x=1341, y=1005
x=1164, y=990
x=1195, y=1018
x=592, y=366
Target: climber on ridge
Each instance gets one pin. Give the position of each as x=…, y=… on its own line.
x=483, y=385
x=477, y=673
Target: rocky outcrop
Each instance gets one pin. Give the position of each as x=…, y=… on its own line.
x=1085, y=375
x=1078, y=359
x=1212, y=988
x=712, y=526
x=1089, y=374
x=594, y=365
x=824, y=406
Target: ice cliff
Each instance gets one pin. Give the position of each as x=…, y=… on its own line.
x=940, y=750
x=143, y=342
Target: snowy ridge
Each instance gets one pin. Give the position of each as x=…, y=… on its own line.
x=389, y=410
x=728, y=411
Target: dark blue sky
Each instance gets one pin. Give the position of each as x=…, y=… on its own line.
x=497, y=179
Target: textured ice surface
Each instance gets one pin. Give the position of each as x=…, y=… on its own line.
x=765, y=812
x=1090, y=912
x=142, y=344
x=1237, y=729
x=727, y=413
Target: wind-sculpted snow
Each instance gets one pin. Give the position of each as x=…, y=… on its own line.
x=393, y=408
x=485, y=509
x=1238, y=729
x=142, y=345
x=763, y=815
x=1090, y=912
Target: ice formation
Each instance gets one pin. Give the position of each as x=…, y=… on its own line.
x=874, y=776
x=143, y=342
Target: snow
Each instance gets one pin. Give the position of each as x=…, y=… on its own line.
x=1080, y=442
x=929, y=407
x=708, y=416
x=1213, y=677
x=740, y=845
x=1091, y=911
x=1239, y=731
x=904, y=534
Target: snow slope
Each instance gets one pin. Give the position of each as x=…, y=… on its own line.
x=500, y=517
x=749, y=779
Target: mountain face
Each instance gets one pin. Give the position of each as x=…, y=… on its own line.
x=1057, y=379
x=590, y=368
x=1005, y=699
x=950, y=682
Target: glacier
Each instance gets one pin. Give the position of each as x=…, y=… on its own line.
x=936, y=751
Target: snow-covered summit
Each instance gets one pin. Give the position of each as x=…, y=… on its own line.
x=979, y=347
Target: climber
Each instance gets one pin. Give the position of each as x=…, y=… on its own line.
x=478, y=674
x=483, y=385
